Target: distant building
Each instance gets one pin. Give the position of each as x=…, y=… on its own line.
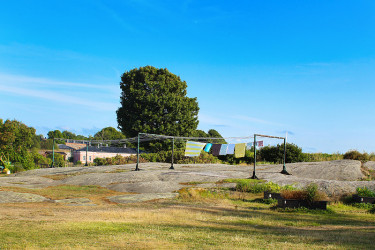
x=101, y=152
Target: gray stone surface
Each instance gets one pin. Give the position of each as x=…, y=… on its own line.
x=14, y=197
x=133, y=198
x=370, y=165
x=335, y=177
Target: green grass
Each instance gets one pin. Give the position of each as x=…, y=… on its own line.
x=199, y=218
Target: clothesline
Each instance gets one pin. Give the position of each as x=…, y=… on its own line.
x=195, y=148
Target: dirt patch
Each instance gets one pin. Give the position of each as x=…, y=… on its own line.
x=14, y=197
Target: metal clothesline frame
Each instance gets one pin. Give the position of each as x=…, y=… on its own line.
x=284, y=171
x=151, y=137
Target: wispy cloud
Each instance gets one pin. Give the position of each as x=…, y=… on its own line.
x=56, y=97
x=12, y=80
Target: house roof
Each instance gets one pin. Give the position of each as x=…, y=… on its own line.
x=75, y=145
x=115, y=150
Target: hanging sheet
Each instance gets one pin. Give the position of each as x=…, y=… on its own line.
x=208, y=147
x=216, y=149
x=193, y=148
x=223, y=149
x=230, y=149
x=240, y=150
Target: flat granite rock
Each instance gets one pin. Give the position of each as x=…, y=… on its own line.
x=133, y=198
x=370, y=165
x=13, y=197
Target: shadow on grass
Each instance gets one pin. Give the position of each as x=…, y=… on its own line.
x=339, y=229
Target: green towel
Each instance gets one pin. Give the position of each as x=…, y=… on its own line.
x=239, y=150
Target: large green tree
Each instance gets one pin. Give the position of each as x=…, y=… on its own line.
x=16, y=140
x=109, y=133
x=154, y=101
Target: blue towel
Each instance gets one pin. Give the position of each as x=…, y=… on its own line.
x=230, y=149
x=223, y=149
x=249, y=145
x=208, y=147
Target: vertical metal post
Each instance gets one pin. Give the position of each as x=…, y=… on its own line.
x=137, y=166
x=255, y=157
x=284, y=167
x=53, y=153
x=172, y=153
x=87, y=150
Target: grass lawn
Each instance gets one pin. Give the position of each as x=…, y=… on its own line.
x=198, y=219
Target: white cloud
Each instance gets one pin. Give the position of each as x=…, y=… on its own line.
x=55, y=96
x=12, y=80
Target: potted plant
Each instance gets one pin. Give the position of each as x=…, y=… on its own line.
x=309, y=197
x=364, y=195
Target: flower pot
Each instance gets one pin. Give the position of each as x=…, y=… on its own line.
x=363, y=199
x=270, y=195
x=290, y=203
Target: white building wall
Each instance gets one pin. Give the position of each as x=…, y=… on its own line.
x=81, y=156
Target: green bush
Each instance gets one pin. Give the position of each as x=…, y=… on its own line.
x=258, y=186
x=355, y=155
x=117, y=160
x=59, y=160
x=275, y=154
x=179, y=157
x=365, y=192
x=16, y=167
x=79, y=163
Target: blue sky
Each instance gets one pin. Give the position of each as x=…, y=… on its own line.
x=307, y=67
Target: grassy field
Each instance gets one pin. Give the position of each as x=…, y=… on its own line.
x=198, y=219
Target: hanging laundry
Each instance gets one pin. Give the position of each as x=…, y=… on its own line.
x=208, y=147
x=216, y=149
x=230, y=149
x=260, y=143
x=193, y=148
x=223, y=149
x=249, y=145
x=240, y=150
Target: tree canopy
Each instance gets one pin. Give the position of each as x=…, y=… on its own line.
x=154, y=101
x=16, y=139
x=109, y=133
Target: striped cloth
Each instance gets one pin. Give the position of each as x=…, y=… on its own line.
x=230, y=149
x=208, y=147
x=193, y=148
x=223, y=149
x=240, y=150
x=216, y=149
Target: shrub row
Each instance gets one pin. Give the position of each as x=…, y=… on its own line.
x=117, y=160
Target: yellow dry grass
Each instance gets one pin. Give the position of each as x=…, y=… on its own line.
x=200, y=219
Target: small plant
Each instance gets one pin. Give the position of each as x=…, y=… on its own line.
x=78, y=163
x=365, y=192
x=310, y=194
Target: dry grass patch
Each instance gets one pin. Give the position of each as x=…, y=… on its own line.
x=200, y=218
x=58, y=177
x=94, y=193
